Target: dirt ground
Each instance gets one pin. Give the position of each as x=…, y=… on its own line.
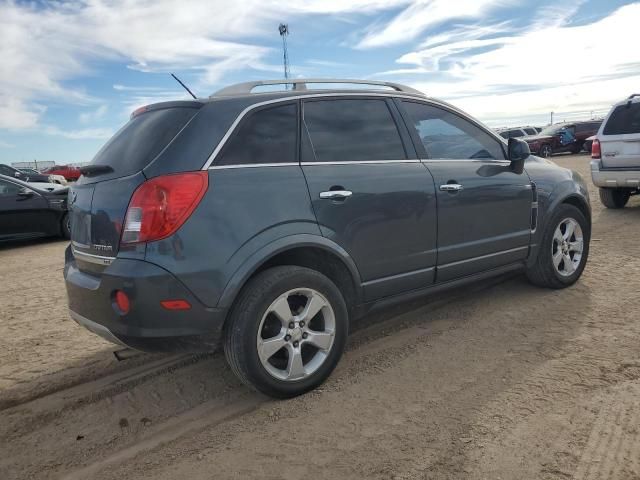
x=499, y=381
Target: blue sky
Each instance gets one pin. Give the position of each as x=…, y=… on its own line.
x=72, y=72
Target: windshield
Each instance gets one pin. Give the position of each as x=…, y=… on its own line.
x=552, y=130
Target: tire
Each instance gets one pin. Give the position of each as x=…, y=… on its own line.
x=546, y=151
x=544, y=271
x=253, y=320
x=614, y=197
x=65, y=227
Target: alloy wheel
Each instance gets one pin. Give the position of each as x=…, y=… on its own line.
x=567, y=247
x=296, y=334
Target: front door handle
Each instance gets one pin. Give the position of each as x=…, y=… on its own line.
x=335, y=194
x=451, y=187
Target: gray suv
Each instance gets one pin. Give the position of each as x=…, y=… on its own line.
x=266, y=222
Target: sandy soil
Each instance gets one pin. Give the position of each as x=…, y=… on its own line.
x=503, y=380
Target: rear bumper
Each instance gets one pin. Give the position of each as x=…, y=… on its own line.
x=614, y=178
x=148, y=326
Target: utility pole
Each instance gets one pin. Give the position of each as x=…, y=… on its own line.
x=551, y=119
x=283, y=28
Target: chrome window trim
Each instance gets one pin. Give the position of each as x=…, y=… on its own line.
x=91, y=258
x=253, y=165
x=482, y=160
x=256, y=105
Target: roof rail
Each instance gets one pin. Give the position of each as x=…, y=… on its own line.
x=634, y=95
x=301, y=84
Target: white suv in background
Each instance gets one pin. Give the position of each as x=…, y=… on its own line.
x=615, y=153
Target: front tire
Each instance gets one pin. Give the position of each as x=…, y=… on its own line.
x=614, y=197
x=563, y=250
x=286, y=331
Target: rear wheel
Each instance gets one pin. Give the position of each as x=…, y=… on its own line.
x=614, y=197
x=546, y=151
x=563, y=250
x=65, y=226
x=286, y=331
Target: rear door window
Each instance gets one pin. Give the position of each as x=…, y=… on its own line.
x=445, y=135
x=8, y=188
x=624, y=120
x=136, y=144
x=352, y=130
x=265, y=136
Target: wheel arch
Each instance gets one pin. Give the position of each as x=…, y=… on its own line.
x=305, y=250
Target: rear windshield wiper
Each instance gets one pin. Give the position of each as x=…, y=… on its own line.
x=90, y=170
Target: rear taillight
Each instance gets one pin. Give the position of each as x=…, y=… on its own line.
x=161, y=205
x=595, y=149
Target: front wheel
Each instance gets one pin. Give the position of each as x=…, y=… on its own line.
x=287, y=331
x=614, y=197
x=564, y=249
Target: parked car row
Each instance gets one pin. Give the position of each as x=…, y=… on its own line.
x=518, y=132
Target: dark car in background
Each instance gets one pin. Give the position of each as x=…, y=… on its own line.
x=69, y=172
x=265, y=222
x=562, y=137
x=24, y=176
x=29, y=212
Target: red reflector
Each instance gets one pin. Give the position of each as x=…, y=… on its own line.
x=122, y=301
x=595, y=149
x=176, y=304
x=161, y=205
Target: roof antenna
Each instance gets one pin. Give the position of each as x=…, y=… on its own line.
x=184, y=86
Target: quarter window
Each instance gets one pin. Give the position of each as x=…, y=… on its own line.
x=445, y=135
x=352, y=130
x=625, y=119
x=266, y=136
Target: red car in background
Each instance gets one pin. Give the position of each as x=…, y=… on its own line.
x=562, y=137
x=67, y=171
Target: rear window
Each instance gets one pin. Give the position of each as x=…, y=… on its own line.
x=136, y=144
x=625, y=119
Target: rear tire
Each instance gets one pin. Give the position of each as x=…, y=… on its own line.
x=546, y=150
x=257, y=326
x=65, y=227
x=614, y=197
x=553, y=268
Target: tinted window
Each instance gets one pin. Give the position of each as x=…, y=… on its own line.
x=448, y=136
x=530, y=131
x=266, y=136
x=352, y=130
x=8, y=188
x=136, y=144
x=624, y=120
x=505, y=135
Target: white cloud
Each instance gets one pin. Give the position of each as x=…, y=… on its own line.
x=80, y=134
x=424, y=14
x=44, y=45
x=93, y=115
x=552, y=67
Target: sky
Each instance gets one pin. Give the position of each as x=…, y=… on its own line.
x=72, y=72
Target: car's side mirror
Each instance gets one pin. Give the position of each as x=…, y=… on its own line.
x=25, y=193
x=518, y=153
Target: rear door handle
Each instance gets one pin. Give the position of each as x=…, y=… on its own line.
x=335, y=194
x=451, y=187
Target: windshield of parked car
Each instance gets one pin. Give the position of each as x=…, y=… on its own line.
x=552, y=130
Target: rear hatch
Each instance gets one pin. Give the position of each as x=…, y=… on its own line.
x=620, y=137
x=98, y=200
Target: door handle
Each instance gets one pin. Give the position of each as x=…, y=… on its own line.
x=451, y=187
x=335, y=194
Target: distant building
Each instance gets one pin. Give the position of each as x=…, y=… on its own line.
x=34, y=164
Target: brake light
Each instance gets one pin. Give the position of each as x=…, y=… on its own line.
x=160, y=206
x=122, y=302
x=595, y=149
